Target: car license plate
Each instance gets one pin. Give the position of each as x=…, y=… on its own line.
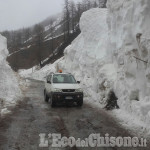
x=69, y=97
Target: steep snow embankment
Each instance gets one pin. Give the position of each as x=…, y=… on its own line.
x=86, y=56
x=130, y=44
x=9, y=88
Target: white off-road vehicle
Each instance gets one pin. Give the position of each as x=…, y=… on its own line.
x=62, y=88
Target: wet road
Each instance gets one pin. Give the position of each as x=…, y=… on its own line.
x=32, y=116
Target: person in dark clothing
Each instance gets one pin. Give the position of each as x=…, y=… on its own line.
x=111, y=101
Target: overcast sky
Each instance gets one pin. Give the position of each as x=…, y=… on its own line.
x=15, y=14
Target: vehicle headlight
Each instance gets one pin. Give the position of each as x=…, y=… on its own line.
x=79, y=90
x=57, y=90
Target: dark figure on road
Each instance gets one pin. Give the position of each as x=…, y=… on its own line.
x=111, y=101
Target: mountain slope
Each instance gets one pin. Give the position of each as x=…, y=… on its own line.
x=23, y=44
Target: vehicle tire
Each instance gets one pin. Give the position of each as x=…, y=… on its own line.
x=52, y=103
x=46, y=98
x=80, y=103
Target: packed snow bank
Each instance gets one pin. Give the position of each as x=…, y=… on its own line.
x=9, y=88
x=129, y=43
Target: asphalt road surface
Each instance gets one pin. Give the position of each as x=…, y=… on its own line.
x=33, y=116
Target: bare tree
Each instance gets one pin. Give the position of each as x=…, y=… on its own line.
x=95, y=4
x=64, y=27
x=73, y=11
x=39, y=39
x=102, y=3
x=89, y=4
x=67, y=16
x=79, y=11
x=27, y=34
x=18, y=39
x=105, y=2
x=52, y=35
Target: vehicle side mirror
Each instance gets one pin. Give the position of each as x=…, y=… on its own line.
x=78, y=82
x=49, y=82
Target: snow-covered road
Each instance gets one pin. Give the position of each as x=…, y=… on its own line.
x=21, y=129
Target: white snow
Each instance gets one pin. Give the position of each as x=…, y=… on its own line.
x=55, y=23
x=48, y=37
x=40, y=74
x=9, y=87
x=103, y=57
x=126, y=21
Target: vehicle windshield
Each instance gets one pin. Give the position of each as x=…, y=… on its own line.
x=63, y=78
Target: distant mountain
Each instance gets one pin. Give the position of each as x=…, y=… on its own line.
x=32, y=46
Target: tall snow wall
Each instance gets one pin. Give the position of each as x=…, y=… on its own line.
x=9, y=88
x=129, y=42
x=86, y=56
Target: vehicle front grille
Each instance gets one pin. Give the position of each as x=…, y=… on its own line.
x=68, y=90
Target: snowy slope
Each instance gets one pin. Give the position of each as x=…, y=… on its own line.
x=9, y=88
x=112, y=52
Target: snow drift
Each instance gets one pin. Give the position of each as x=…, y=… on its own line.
x=9, y=88
x=112, y=52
